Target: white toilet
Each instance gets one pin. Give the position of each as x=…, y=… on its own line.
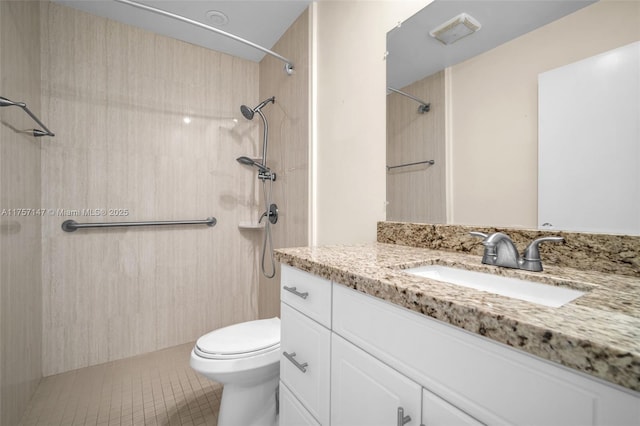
x=245, y=358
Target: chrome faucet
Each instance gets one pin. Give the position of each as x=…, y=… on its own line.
x=499, y=250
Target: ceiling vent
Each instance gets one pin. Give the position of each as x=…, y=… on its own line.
x=455, y=29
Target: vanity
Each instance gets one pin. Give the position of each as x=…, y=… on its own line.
x=366, y=343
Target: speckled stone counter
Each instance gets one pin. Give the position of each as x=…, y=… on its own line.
x=598, y=333
x=618, y=254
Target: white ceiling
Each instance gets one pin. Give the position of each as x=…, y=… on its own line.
x=414, y=54
x=260, y=21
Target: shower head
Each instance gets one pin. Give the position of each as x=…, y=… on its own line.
x=249, y=162
x=249, y=112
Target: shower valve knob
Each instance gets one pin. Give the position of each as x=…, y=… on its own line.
x=272, y=214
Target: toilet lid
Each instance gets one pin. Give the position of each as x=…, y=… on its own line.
x=245, y=338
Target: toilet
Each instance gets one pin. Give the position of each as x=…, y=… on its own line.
x=245, y=358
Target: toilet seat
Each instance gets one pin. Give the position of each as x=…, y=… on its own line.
x=242, y=340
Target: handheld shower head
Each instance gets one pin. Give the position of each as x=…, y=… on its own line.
x=249, y=162
x=248, y=113
x=246, y=161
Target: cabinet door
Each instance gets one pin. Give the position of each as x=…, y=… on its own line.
x=292, y=413
x=366, y=392
x=438, y=412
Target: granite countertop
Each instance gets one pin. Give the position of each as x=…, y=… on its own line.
x=598, y=333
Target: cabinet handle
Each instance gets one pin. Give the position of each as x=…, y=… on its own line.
x=290, y=357
x=297, y=293
x=402, y=419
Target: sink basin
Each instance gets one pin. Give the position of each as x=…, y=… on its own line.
x=542, y=294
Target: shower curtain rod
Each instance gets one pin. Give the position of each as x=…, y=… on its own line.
x=424, y=106
x=288, y=67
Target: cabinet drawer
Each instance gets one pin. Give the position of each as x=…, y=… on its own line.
x=304, y=364
x=292, y=413
x=308, y=293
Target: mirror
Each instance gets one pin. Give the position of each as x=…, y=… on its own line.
x=482, y=128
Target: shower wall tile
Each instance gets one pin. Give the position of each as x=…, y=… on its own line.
x=288, y=153
x=117, y=97
x=20, y=247
x=417, y=193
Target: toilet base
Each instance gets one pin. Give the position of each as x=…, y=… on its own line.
x=249, y=405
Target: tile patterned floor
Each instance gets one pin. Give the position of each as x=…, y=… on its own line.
x=153, y=389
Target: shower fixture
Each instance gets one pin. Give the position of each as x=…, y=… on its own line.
x=249, y=162
x=265, y=174
x=248, y=113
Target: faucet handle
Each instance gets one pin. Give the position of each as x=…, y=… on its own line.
x=532, y=252
x=489, y=254
x=531, y=257
x=478, y=234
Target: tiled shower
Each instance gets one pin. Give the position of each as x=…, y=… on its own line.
x=118, y=99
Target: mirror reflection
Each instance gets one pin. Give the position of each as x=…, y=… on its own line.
x=482, y=127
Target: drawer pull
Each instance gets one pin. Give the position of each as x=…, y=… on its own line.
x=296, y=292
x=290, y=357
x=402, y=419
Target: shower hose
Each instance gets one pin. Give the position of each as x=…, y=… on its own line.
x=267, y=241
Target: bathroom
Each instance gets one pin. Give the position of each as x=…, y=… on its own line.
x=117, y=98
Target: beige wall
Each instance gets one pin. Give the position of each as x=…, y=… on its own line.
x=20, y=257
x=288, y=153
x=348, y=146
x=417, y=193
x=494, y=111
x=117, y=96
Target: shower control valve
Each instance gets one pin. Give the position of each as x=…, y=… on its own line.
x=267, y=175
x=272, y=214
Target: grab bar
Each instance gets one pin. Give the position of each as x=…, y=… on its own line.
x=431, y=162
x=72, y=225
x=424, y=106
x=36, y=132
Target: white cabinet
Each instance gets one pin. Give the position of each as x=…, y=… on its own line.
x=364, y=391
x=304, y=366
x=292, y=412
x=438, y=412
x=493, y=383
x=305, y=344
x=369, y=357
